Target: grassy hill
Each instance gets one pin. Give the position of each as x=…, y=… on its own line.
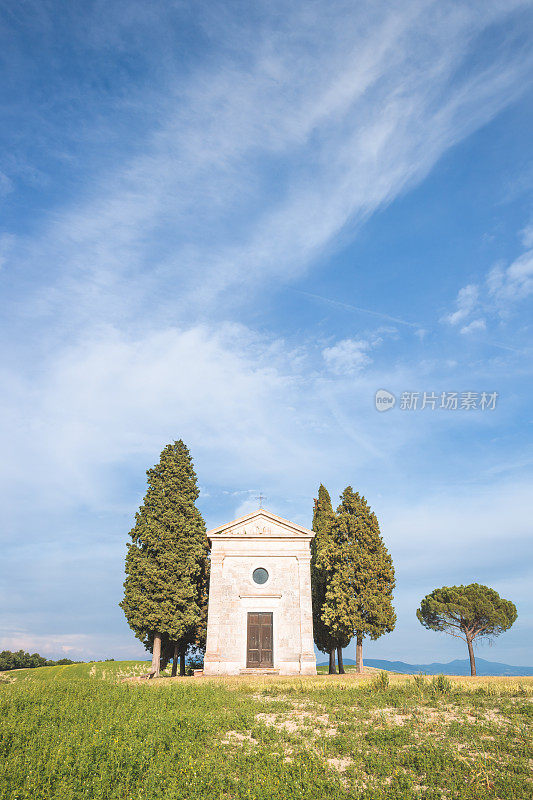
x=87, y=731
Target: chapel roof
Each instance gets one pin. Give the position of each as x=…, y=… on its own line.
x=260, y=524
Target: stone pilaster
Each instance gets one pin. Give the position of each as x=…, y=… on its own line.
x=307, y=650
x=212, y=656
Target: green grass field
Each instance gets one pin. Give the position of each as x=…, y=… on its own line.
x=81, y=731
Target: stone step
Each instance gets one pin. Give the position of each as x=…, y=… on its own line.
x=259, y=671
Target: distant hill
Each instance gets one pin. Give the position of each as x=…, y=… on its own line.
x=457, y=667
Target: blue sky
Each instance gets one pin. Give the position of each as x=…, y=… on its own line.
x=233, y=224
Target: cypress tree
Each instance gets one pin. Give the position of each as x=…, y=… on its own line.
x=373, y=572
x=326, y=565
x=165, y=591
x=358, y=598
x=321, y=545
x=338, y=608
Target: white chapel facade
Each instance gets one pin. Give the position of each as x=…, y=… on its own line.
x=260, y=614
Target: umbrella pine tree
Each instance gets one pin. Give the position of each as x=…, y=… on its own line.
x=467, y=612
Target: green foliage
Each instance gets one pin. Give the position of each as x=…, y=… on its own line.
x=352, y=576
x=323, y=561
x=335, y=560
x=419, y=681
x=467, y=612
x=166, y=584
x=23, y=660
x=358, y=597
x=381, y=682
x=474, y=610
x=440, y=684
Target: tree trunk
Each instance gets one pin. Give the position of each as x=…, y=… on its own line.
x=332, y=668
x=182, y=660
x=156, y=655
x=471, y=654
x=339, y=659
x=175, y=662
x=359, y=653
x=165, y=658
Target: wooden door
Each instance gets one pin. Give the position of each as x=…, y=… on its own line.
x=259, y=650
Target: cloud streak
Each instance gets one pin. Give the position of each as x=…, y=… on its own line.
x=347, y=109
x=350, y=307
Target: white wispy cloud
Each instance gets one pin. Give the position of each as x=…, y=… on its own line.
x=6, y=185
x=501, y=290
x=527, y=236
x=254, y=409
x=62, y=643
x=466, y=302
x=347, y=108
x=7, y=242
x=510, y=285
x=350, y=356
x=475, y=325
x=114, y=398
x=79, y=647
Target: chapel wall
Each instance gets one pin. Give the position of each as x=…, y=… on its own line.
x=233, y=594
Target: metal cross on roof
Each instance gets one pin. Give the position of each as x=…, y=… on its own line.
x=260, y=497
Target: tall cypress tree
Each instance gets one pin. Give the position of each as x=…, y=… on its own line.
x=370, y=579
x=165, y=591
x=339, y=606
x=321, y=544
x=326, y=563
x=358, y=595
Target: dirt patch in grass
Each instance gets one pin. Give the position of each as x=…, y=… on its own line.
x=391, y=715
x=495, y=716
x=437, y=716
x=340, y=764
x=444, y=716
x=267, y=698
x=239, y=738
x=297, y=720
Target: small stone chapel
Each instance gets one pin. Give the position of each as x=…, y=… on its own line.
x=260, y=616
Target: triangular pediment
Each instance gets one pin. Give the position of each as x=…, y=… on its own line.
x=261, y=524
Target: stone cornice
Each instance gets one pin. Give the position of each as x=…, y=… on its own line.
x=261, y=524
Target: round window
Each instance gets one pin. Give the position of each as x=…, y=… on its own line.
x=260, y=575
